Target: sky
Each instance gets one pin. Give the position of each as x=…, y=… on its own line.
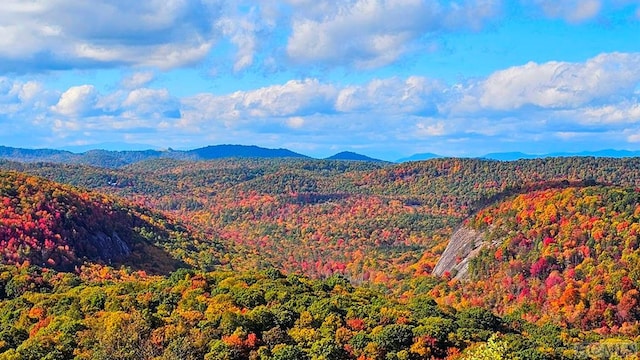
x=384, y=78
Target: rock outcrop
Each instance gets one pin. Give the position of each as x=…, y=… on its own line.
x=465, y=243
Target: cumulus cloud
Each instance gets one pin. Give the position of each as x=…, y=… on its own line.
x=76, y=101
x=558, y=84
x=633, y=138
x=21, y=93
x=249, y=30
x=241, y=34
x=52, y=34
x=430, y=128
x=619, y=113
x=151, y=103
x=29, y=91
x=268, y=35
x=373, y=33
x=294, y=98
x=414, y=95
x=146, y=96
x=521, y=104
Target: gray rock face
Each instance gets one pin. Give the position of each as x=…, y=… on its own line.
x=110, y=247
x=465, y=243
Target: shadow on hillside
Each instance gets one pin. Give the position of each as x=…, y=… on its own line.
x=151, y=259
x=523, y=189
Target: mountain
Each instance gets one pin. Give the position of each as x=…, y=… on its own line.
x=116, y=159
x=551, y=245
x=35, y=155
x=241, y=151
x=61, y=227
x=568, y=254
x=535, y=258
x=419, y=157
x=609, y=153
x=365, y=220
x=348, y=155
x=513, y=156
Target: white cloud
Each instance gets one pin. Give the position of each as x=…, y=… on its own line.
x=164, y=56
x=138, y=79
x=412, y=95
x=52, y=33
x=145, y=103
x=374, y=33
x=524, y=104
x=294, y=98
x=48, y=35
x=29, y=91
x=428, y=129
x=250, y=30
x=635, y=138
x=560, y=84
x=241, y=34
x=76, y=101
x=146, y=96
x=624, y=112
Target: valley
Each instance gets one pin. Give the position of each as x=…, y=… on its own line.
x=286, y=258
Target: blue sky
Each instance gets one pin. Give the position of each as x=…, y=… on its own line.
x=386, y=78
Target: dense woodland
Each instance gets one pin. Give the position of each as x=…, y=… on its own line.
x=319, y=259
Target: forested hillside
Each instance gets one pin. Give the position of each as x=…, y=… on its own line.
x=560, y=265
x=367, y=221
x=570, y=256
x=57, y=226
x=224, y=315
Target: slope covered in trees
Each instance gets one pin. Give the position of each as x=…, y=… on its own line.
x=570, y=256
x=368, y=221
x=562, y=280
x=57, y=226
x=265, y=315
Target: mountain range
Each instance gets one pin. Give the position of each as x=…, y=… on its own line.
x=115, y=158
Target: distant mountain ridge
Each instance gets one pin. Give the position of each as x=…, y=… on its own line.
x=348, y=155
x=119, y=158
x=516, y=155
x=419, y=157
x=241, y=151
x=114, y=159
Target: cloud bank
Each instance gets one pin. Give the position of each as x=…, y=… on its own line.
x=527, y=103
x=49, y=35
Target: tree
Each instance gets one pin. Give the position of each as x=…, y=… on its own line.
x=493, y=349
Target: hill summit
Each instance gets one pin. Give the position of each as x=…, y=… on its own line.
x=348, y=155
x=58, y=226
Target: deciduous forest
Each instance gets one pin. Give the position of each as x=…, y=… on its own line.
x=277, y=258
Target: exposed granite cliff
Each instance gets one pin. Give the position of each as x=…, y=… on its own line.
x=465, y=243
